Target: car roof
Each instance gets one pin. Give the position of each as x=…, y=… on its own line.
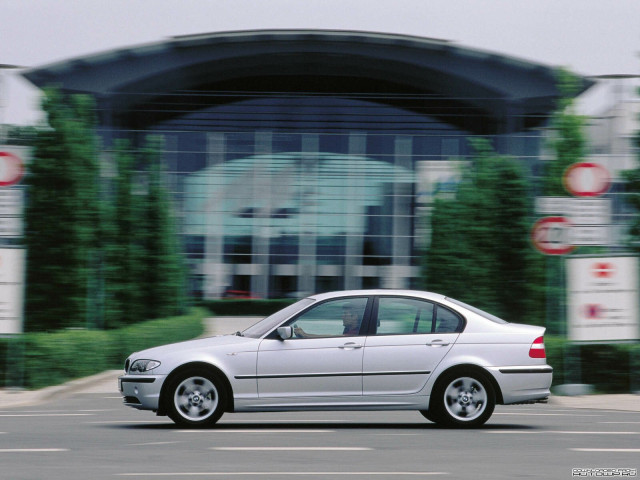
x=378, y=292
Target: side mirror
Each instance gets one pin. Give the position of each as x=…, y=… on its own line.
x=285, y=332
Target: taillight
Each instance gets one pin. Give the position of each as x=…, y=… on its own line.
x=537, y=349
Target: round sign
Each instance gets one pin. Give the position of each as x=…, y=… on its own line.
x=587, y=179
x=11, y=169
x=550, y=235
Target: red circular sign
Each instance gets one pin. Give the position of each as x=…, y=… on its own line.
x=550, y=235
x=587, y=179
x=11, y=169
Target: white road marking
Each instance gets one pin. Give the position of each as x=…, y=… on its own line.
x=562, y=432
x=267, y=421
x=150, y=444
x=47, y=415
x=117, y=422
x=622, y=423
x=607, y=450
x=32, y=450
x=224, y=430
x=547, y=414
x=289, y=449
x=276, y=474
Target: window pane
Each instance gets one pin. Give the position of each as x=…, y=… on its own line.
x=447, y=321
x=398, y=316
x=332, y=319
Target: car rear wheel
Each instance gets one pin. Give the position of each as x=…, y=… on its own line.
x=195, y=399
x=463, y=399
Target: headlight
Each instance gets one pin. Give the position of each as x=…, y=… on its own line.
x=141, y=366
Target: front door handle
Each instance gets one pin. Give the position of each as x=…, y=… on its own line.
x=437, y=343
x=350, y=345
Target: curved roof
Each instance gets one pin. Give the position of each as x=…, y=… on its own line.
x=488, y=81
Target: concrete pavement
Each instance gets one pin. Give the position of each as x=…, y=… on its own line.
x=106, y=382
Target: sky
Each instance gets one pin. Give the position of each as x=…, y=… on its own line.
x=590, y=37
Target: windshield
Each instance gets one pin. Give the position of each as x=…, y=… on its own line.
x=266, y=325
x=475, y=310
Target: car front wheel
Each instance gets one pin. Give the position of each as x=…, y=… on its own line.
x=463, y=400
x=195, y=399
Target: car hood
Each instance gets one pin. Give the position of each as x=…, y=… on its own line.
x=193, y=345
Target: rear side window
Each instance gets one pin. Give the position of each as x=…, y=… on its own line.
x=401, y=316
x=447, y=321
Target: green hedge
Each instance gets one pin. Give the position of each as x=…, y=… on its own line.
x=253, y=308
x=610, y=368
x=54, y=358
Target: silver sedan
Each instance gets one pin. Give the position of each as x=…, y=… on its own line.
x=352, y=350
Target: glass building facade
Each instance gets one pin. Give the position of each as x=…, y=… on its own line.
x=307, y=160
x=282, y=196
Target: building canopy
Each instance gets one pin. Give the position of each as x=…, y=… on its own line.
x=311, y=61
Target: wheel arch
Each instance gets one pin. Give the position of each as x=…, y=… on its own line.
x=466, y=368
x=206, y=367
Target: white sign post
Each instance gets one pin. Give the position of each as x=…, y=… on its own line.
x=12, y=278
x=602, y=299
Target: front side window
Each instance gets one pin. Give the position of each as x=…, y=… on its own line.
x=401, y=316
x=335, y=318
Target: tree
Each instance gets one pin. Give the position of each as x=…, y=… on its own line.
x=165, y=273
x=102, y=251
x=62, y=214
x=568, y=140
x=632, y=190
x=480, y=251
x=144, y=275
x=568, y=144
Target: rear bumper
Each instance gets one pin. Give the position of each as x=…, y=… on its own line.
x=141, y=392
x=523, y=384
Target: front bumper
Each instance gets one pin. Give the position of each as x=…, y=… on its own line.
x=141, y=391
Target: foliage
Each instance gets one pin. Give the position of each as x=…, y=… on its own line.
x=610, y=368
x=568, y=141
x=164, y=283
x=102, y=245
x=21, y=135
x=480, y=251
x=632, y=197
x=54, y=358
x=61, y=216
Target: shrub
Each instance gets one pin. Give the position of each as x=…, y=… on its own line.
x=53, y=358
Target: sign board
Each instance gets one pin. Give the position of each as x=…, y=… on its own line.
x=602, y=298
x=12, y=277
x=11, y=169
x=580, y=211
x=586, y=179
x=593, y=235
x=551, y=235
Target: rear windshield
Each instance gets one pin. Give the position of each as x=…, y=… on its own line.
x=477, y=311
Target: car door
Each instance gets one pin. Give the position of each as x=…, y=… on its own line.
x=324, y=358
x=409, y=338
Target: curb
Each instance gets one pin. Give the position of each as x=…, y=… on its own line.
x=25, y=398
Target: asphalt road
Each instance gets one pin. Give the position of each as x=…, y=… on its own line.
x=93, y=436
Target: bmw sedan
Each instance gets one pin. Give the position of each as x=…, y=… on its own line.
x=352, y=350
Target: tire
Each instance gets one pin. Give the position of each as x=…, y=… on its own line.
x=463, y=399
x=195, y=398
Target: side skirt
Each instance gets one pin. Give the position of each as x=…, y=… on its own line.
x=356, y=402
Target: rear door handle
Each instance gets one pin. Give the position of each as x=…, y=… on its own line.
x=437, y=343
x=350, y=345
